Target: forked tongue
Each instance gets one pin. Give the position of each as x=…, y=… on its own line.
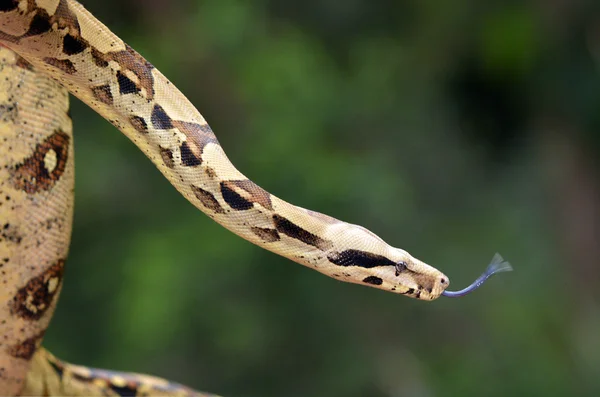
x=497, y=265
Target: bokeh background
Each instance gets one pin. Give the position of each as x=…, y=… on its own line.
x=451, y=129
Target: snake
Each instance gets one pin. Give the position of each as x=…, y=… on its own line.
x=50, y=48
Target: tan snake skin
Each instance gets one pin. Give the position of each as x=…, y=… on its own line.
x=60, y=40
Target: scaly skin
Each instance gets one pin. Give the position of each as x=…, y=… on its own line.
x=63, y=41
x=36, y=169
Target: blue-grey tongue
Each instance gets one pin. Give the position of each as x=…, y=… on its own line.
x=497, y=265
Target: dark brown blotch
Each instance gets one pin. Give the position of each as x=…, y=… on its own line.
x=208, y=200
x=126, y=85
x=256, y=193
x=359, y=258
x=167, y=157
x=73, y=44
x=290, y=229
x=32, y=300
x=8, y=5
x=103, y=94
x=63, y=64
x=234, y=199
x=26, y=349
x=266, y=234
x=160, y=119
x=65, y=18
x=23, y=63
x=128, y=390
x=32, y=176
x=99, y=58
x=189, y=158
x=39, y=24
x=197, y=135
x=139, y=124
x=103, y=377
x=373, y=280
x=129, y=59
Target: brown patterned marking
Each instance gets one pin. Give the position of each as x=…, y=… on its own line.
x=42, y=22
x=39, y=24
x=129, y=59
x=208, y=200
x=127, y=390
x=73, y=44
x=127, y=384
x=23, y=63
x=160, y=119
x=32, y=175
x=126, y=85
x=359, y=258
x=8, y=5
x=235, y=200
x=32, y=300
x=265, y=234
x=167, y=156
x=99, y=58
x=290, y=229
x=257, y=194
x=63, y=64
x=373, y=280
x=139, y=124
x=197, y=135
x=65, y=18
x=27, y=348
x=103, y=94
x=188, y=158
x=104, y=379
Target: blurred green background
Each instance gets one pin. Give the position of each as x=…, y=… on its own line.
x=451, y=129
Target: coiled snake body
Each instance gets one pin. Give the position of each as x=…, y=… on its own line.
x=50, y=45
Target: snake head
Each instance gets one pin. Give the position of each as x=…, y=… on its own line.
x=417, y=279
x=370, y=261
x=395, y=270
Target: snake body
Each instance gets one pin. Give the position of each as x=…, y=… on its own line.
x=53, y=45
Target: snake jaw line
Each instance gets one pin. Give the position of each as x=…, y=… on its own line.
x=497, y=265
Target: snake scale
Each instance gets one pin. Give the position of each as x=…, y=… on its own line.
x=49, y=47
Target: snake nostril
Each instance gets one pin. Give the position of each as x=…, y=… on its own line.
x=443, y=280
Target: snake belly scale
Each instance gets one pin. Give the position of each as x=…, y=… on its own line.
x=59, y=43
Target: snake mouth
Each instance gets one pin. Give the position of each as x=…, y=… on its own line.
x=497, y=265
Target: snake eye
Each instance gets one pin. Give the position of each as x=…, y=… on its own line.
x=400, y=267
